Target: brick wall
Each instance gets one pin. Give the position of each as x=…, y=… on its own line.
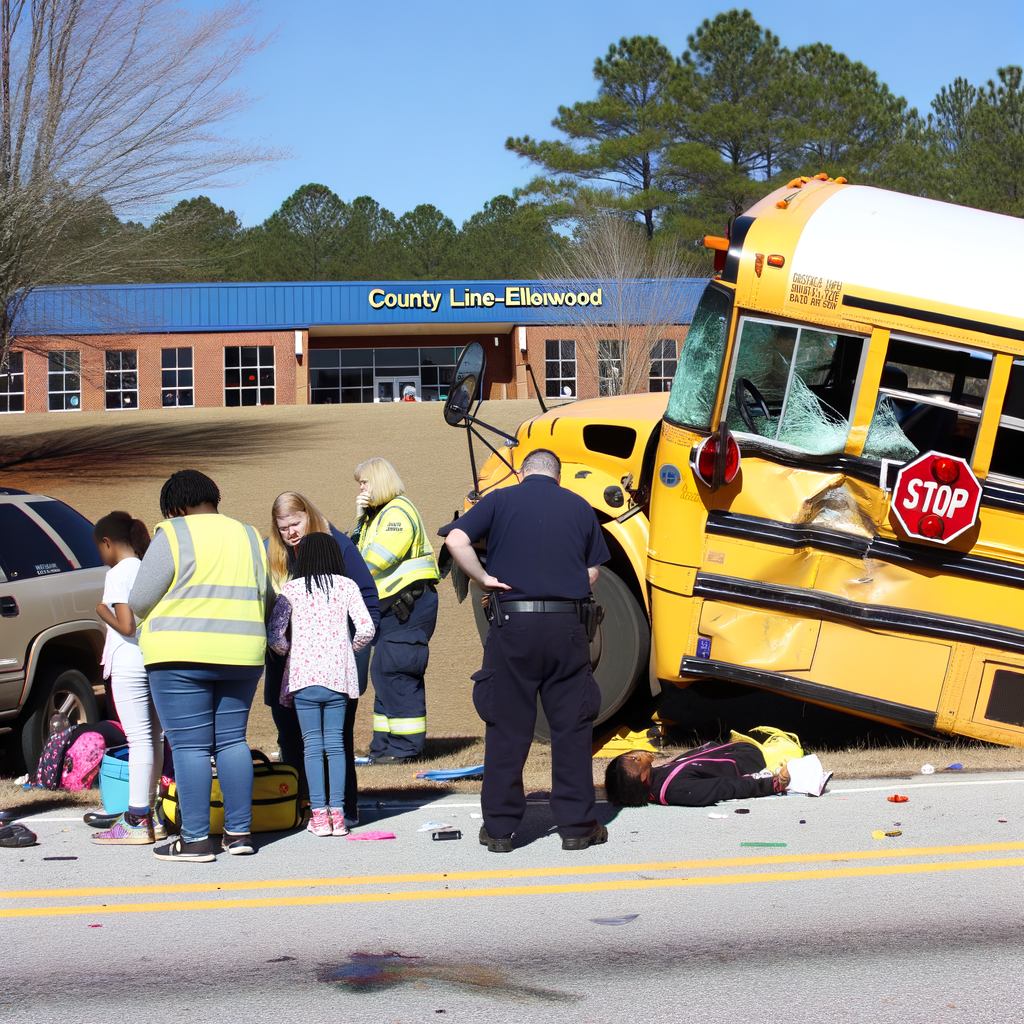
x=207, y=361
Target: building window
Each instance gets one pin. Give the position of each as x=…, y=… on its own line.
x=609, y=367
x=176, y=377
x=437, y=369
x=65, y=380
x=122, y=379
x=663, y=364
x=12, y=384
x=249, y=375
x=344, y=375
x=560, y=369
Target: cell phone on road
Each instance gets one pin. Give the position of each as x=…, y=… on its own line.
x=448, y=833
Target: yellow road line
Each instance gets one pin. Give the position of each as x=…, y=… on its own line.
x=519, y=890
x=468, y=876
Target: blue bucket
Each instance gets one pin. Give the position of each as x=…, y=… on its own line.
x=114, y=781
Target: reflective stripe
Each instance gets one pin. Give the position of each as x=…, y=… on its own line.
x=179, y=624
x=386, y=556
x=380, y=723
x=410, y=565
x=226, y=593
x=186, y=552
x=407, y=726
x=257, y=565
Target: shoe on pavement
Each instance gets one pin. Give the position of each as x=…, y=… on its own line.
x=16, y=836
x=597, y=835
x=338, y=826
x=237, y=844
x=199, y=852
x=494, y=845
x=320, y=823
x=124, y=833
x=100, y=819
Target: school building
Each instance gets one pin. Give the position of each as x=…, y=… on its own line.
x=196, y=346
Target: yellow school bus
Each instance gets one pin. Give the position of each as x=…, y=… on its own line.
x=858, y=351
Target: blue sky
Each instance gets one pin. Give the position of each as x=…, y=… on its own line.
x=412, y=102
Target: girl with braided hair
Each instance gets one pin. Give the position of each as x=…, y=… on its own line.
x=321, y=677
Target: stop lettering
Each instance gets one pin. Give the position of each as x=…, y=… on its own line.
x=936, y=497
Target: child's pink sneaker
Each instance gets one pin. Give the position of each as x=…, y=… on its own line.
x=338, y=822
x=320, y=823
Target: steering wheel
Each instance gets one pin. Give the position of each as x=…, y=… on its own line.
x=746, y=385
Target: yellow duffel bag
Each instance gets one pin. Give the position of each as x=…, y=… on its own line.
x=275, y=799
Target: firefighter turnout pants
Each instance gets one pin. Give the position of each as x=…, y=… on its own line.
x=535, y=654
x=400, y=655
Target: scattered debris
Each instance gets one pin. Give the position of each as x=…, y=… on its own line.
x=370, y=835
x=625, y=919
x=95, y=926
x=473, y=814
x=60, y=858
x=803, y=821
x=362, y=760
x=880, y=833
x=446, y=833
x=897, y=799
x=762, y=844
x=1003, y=820
x=433, y=826
x=955, y=767
x=742, y=810
x=280, y=959
x=895, y=832
x=927, y=769
x=720, y=815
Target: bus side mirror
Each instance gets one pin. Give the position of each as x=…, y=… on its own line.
x=466, y=384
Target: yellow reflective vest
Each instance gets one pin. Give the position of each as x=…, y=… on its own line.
x=394, y=546
x=213, y=612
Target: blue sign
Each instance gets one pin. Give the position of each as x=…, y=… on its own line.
x=670, y=475
x=703, y=647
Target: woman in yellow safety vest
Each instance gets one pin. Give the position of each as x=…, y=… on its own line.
x=393, y=542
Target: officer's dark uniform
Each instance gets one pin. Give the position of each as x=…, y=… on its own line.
x=541, y=539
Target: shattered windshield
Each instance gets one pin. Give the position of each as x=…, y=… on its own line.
x=699, y=369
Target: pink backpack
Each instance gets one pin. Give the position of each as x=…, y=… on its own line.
x=82, y=761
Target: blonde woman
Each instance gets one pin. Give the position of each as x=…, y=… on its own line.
x=391, y=538
x=292, y=517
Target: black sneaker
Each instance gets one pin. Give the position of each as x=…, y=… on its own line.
x=16, y=836
x=494, y=845
x=100, y=819
x=199, y=852
x=237, y=845
x=595, y=837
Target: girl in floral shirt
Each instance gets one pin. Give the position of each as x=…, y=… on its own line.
x=321, y=673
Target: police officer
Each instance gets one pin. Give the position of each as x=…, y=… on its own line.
x=543, y=548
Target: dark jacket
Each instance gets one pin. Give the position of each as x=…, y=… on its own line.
x=359, y=573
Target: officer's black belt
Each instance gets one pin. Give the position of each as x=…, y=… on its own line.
x=571, y=607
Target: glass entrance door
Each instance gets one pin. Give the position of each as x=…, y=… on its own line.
x=384, y=389
x=402, y=383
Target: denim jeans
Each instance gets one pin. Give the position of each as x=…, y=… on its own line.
x=321, y=715
x=204, y=712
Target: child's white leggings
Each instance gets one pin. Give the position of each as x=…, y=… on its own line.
x=130, y=686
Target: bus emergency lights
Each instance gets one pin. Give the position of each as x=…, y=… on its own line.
x=703, y=461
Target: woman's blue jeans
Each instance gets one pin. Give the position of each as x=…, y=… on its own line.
x=205, y=712
x=321, y=714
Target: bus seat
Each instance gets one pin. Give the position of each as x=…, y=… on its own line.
x=894, y=377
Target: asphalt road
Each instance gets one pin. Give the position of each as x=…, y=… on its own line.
x=675, y=919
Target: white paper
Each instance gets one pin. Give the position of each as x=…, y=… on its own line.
x=807, y=776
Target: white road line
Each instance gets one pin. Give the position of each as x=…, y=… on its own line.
x=927, y=785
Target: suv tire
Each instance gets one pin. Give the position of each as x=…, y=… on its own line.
x=58, y=689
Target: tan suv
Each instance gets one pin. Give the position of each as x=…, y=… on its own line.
x=51, y=640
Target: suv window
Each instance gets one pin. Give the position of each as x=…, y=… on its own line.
x=74, y=529
x=26, y=551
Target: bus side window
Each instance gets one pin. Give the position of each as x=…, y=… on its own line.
x=930, y=399
x=794, y=385
x=1008, y=455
